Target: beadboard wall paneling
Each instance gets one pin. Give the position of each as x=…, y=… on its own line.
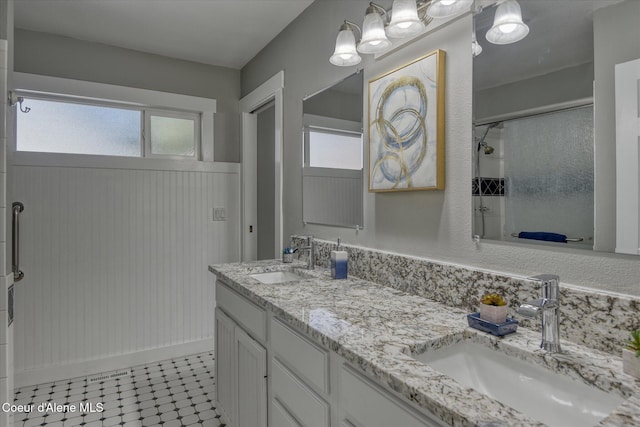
x=332, y=197
x=115, y=260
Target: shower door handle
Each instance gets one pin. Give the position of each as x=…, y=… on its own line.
x=15, y=248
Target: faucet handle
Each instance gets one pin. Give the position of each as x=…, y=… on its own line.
x=531, y=310
x=536, y=307
x=550, y=285
x=546, y=277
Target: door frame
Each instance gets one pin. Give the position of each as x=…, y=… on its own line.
x=270, y=90
x=627, y=102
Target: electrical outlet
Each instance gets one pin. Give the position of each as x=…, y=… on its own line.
x=219, y=214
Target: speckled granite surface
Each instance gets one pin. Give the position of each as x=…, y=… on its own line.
x=377, y=328
x=595, y=319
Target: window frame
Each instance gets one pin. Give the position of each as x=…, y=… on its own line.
x=146, y=132
x=100, y=94
x=329, y=125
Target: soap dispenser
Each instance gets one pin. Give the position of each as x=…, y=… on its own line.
x=339, y=263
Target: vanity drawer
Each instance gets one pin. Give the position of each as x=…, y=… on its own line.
x=252, y=318
x=298, y=399
x=305, y=358
x=364, y=403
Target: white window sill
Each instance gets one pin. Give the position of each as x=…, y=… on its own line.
x=26, y=158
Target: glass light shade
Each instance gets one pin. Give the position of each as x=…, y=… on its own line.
x=345, y=53
x=476, y=49
x=374, y=39
x=446, y=8
x=404, y=19
x=507, y=24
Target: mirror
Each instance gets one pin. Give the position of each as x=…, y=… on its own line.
x=544, y=167
x=332, y=165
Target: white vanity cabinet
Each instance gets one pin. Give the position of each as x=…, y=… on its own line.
x=269, y=373
x=241, y=361
x=226, y=376
x=299, y=378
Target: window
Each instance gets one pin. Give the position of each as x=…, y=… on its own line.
x=79, y=117
x=67, y=126
x=171, y=134
x=334, y=149
x=63, y=127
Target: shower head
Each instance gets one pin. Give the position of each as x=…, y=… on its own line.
x=487, y=148
x=483, y=144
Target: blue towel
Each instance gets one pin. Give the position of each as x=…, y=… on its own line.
x=542, y=235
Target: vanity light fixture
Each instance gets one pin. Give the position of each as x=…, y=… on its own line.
x=408, y=17
x=345, y=53
x=374, y=39
x=446, y=8
x=404, y=19
x=507, y=24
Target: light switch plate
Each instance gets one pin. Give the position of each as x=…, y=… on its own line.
x=219, y=214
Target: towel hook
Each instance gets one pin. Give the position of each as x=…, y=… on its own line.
x=15, y=99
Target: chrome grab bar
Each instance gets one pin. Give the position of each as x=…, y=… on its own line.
x=15, y=234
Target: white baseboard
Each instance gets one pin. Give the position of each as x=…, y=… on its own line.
x=112, y=363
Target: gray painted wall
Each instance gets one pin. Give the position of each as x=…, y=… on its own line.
x=47, y=54
x=338, y=105
x=616, y=40
x=568, y=84
x=437, y=224
x=266, y=182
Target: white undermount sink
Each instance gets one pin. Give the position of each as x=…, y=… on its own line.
x=539, y=393
x=277, y=277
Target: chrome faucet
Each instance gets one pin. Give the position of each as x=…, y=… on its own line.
x=311, y=261
x=547, y=307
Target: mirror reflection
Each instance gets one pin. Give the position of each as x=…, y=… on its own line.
x=332, y=164
x=535, y=145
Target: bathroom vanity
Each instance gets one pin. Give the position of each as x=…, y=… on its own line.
x=294, y=347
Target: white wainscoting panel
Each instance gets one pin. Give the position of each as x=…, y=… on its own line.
x=115, y=260
x=332, y=196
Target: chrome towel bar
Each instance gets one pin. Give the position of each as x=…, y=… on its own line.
x=569, y=239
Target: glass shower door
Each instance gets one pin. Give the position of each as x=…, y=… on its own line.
x=549, y=186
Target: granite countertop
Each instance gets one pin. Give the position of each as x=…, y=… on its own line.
x=377, y=328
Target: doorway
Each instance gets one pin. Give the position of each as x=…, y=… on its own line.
x=266, y=180
x=251, y=107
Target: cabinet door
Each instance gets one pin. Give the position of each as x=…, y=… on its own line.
x=226, y=366
x=252, y=381
x=280, y=417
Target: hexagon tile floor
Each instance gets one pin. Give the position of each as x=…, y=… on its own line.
x=172, y=393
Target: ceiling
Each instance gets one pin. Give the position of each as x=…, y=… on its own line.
x=225, y=33
x=560, y=36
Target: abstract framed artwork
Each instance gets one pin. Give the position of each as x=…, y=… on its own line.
x=406, y=126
